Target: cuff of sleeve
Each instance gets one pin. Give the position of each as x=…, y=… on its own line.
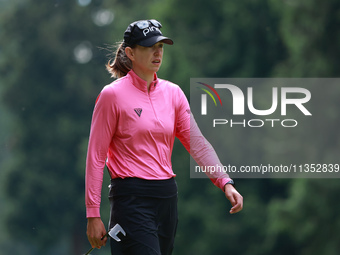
x=92, y=212
x=223, y=182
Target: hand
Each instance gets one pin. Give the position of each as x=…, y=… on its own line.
x=95, y=231
x=234, y=197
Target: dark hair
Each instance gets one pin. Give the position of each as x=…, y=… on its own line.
x=121, y=64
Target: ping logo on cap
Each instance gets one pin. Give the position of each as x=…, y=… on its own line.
x=145, y=33
x=151, y=29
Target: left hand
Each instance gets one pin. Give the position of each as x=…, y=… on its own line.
x=234, y=197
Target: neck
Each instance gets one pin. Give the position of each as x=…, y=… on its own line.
x=149, y=77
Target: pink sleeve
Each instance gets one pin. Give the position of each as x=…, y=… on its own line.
x=102, y=129
x=193, y=140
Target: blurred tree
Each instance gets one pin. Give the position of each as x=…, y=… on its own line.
x=306, y=221
x=51, y=95
x=310, y=35
x=222, y=38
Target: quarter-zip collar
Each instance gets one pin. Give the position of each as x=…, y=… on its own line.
x=140, y=83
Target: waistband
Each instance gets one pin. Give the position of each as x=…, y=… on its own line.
x=144, y=188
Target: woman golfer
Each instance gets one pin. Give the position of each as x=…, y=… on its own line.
x=135, y=121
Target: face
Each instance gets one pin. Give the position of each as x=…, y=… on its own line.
x=147, y=60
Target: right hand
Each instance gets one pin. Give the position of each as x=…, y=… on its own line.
x=95, y=231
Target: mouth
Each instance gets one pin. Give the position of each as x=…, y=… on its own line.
x=156, y=61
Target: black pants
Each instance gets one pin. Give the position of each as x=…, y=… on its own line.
x=149, y=222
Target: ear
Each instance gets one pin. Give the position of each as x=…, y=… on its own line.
x=129, y=53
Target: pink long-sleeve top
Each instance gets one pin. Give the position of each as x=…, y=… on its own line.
x=133, y=131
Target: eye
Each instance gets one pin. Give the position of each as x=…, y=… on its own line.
x=159, y=45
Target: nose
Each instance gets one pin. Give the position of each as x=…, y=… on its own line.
x=158, y=51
